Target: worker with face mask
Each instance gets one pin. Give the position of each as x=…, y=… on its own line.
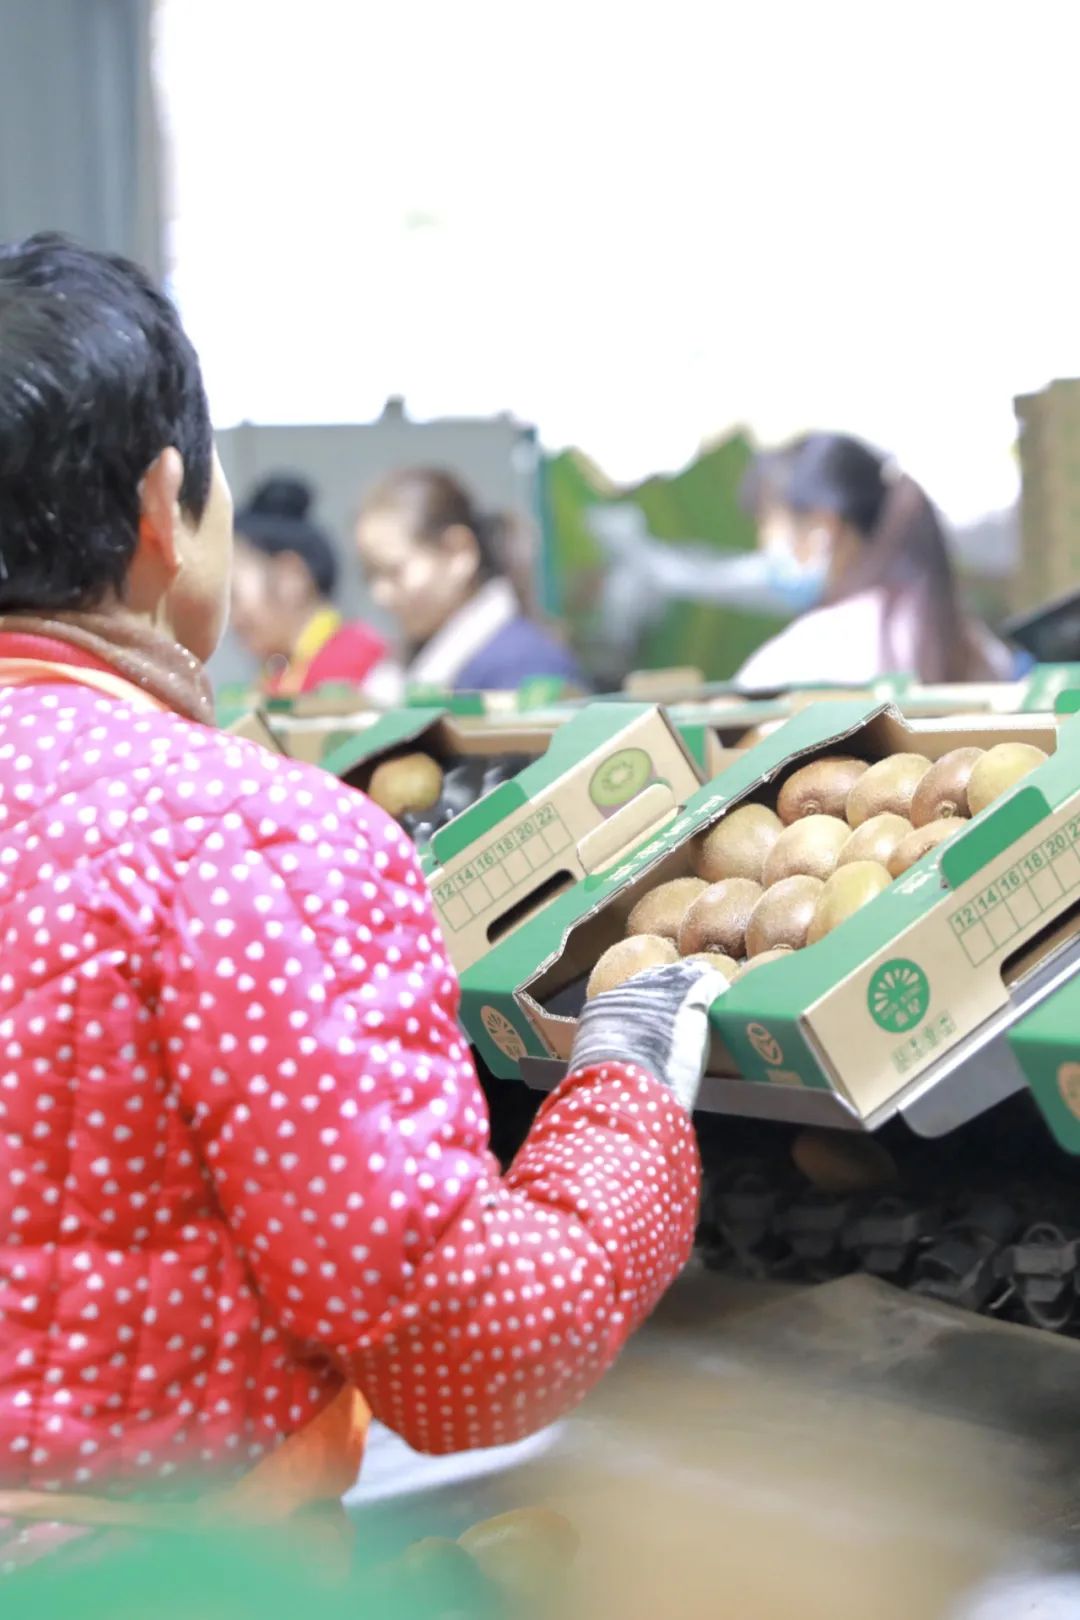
x=857, y=553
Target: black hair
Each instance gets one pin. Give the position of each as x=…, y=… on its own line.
x=275, y=521
x=905, y=552
x=97, y=378
x=823, y=472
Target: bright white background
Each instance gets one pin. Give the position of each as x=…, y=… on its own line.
x=636, y=225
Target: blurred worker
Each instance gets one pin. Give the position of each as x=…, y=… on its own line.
x=859, y=553
x=446, y=571
x=246, y=1192
x=285, y=573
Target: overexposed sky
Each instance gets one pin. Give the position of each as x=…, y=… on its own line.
x=636, y=225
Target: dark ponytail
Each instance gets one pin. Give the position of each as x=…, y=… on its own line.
x=905, y=554
x=428, y=501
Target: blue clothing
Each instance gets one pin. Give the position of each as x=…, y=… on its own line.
x=516, y=653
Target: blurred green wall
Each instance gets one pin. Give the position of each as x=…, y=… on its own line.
x=700, y=503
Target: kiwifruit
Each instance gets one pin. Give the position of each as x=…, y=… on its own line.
x=819, y=789
x=715, y=959
x=738, y=844
x=919, y=840
x=840, y=1162
x=782, y=915
x=525, y=1553
x=849, y=889
x=765, y=956
x=625, y=958
x=875, y=840
x=756, y=734
x=998, y=769
x=662, y=909
x=888, y=785
x=807, y=848
x=717, y=919
x=407, y=784
x=943, y=790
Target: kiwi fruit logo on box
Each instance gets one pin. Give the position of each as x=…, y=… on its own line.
x=899, y=996
x=502, y=1034
x=765, y=1044
x=620, y=778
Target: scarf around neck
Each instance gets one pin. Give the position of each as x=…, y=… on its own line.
x=145, y=657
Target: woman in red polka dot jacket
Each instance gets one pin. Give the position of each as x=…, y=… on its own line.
x=245, y=1171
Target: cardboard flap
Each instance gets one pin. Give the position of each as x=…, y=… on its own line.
x=434, y=697
x=253, y=727
x=1046, y=1044
x=991, y=834
x=615, y=770
x=644, y=815
x=659, y=685
x=484, y=816
x=389, y=731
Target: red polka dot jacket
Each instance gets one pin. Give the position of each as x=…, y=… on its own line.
x=244, y=1150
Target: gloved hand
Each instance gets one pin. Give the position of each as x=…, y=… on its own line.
x=658, y=1020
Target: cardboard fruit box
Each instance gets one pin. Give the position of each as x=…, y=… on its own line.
x=612, y=773
x=1037, y=692
x=1045, y=1044
x=842, y=1031
x=539, y=692
x=312, y=724
x=717, y=728
x=253, y=726
x=474, y=754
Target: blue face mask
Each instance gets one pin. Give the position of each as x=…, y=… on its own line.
x=799, y=586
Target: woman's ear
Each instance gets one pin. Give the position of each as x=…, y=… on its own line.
x=159, y=511
x=461, y=552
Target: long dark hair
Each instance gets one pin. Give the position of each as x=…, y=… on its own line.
x=905, y=553
x=429, y=501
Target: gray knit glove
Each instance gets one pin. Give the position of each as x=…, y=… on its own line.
x=658, y=1020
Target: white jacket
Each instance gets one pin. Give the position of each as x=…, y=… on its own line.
x=851, y=642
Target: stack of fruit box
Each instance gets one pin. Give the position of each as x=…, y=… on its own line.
x=1049, y=446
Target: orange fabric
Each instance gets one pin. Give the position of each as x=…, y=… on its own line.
x=314, y=1466
x=30, y=671
x=119, y=645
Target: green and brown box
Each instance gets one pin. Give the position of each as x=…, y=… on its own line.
x=612, y=772
x=314, y=725
x=865, y=1013
x=539, y=692
x=1046, y=1045
x=447, y=738
x=253, y=726
x=1049, y=445
x=714, y=726
x=311, y=725
x=1037, y=692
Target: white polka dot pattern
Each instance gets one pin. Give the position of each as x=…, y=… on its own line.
x=244, y=1149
